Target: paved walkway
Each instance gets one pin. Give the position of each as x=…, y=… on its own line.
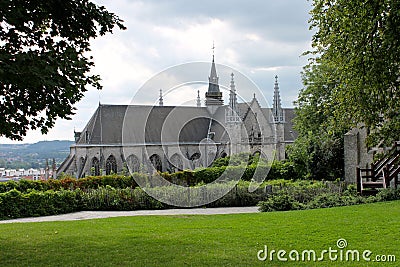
x=86, y=215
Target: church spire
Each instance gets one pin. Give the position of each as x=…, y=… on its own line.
x=277, y=111
x=213, y=85
x=198, y=102
x=213, y=95
x=232, y=94
x=231, y=113
x=161, y=101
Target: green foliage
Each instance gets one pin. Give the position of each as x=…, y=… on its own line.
x=305, y=195
x=388, y=194
x=317, y=156
x=238, y=159
x=355, y=70
x=286, y=170
x=109, y=198
x=276, y=170
x=222, y=162
x=44, y=64
x=279, y=202
x=318, y=152
x=70, y=183
x=351, y=81
x=14, y=204
x=96, y=193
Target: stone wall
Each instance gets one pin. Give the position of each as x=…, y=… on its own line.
x=356, y=153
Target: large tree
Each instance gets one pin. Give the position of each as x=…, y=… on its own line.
x=44, y=62
x=352, y=80
x=357, y=44
x=318, y=150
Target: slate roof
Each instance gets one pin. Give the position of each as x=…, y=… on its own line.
x=135, y=124
x=139, y=124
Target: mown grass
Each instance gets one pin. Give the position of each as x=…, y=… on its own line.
x=214, y=240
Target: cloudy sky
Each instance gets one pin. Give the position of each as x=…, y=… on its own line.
x=258, y=38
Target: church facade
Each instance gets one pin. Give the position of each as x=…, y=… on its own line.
x=144, y=138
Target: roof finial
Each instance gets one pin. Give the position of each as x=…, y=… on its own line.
x=277, y=111
x=232, y=96
x=213, y=49
x=198, y=102
x=233, y=89
x=161, y=102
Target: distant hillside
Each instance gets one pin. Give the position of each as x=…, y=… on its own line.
x=33, y=155
x=57, y=146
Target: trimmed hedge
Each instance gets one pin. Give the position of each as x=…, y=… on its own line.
x=309, y=198
x=108, y=198
x=15, y=204
x=278, y=170
x=272, y=196
x=69, y=183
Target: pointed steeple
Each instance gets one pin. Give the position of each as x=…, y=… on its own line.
x=161, y=101
x=198, y=102
x=277, y=111
x=213, y=95
x=232, y=94
x=213, y=85
x=231, y=114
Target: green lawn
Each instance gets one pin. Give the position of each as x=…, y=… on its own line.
x=214, y=240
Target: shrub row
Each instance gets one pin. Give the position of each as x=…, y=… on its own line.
x=16, y=204
x=108, y=198
x=308, y=198
x=70, y=183
x=273, y=196
x=278, y=170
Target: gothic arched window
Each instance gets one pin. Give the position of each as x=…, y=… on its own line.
x=95, y=167
x=133, y=163
x=156, y=162
x=81, y=167
x=111, y=165
x=195, y=159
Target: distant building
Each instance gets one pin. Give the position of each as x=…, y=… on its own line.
x=145, y=143
x=30, y=174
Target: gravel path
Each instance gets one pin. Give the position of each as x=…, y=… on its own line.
x=86, y=215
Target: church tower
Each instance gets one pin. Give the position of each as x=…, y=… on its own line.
x=213, y=95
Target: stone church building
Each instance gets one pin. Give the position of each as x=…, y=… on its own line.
x=144, y=138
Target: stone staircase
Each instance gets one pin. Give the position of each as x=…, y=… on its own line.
x=383, y=173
